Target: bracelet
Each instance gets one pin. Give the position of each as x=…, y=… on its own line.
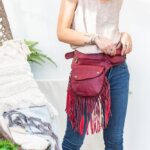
x=92, y=38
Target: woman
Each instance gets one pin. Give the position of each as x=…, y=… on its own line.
x=91, y=27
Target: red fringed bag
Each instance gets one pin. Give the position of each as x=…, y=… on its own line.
x=88, y=93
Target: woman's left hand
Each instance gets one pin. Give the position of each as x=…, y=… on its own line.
x=126, y=41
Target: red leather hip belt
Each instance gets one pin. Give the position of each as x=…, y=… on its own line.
x=88, y=91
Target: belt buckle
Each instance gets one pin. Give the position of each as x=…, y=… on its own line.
x=75, y=59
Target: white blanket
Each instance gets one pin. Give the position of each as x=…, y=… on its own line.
x=18, y=89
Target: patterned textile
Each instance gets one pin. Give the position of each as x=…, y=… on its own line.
x=33, y=121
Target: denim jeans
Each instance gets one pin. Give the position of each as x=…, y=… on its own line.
x=118, y=77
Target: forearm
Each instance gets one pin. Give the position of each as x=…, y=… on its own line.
x=73, y=37
x=64, y=31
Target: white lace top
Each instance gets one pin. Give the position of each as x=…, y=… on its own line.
x=93, y=16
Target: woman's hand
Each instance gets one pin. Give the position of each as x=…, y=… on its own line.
x=126, y=42
x=105, y=45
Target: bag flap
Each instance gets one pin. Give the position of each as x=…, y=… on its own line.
x=83, y=72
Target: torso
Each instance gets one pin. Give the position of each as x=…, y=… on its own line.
x=97, y=17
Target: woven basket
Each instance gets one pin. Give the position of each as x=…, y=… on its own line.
x=5, y=32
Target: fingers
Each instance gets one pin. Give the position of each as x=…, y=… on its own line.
x=113, y=50
x=126, y=44
x=123, y=49
x=127, y=48
x=106, y=46
x=118, y=45
x=110, y=49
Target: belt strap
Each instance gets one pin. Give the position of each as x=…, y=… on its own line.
x=69, y=55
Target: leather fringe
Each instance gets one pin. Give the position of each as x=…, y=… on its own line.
x=89, y=112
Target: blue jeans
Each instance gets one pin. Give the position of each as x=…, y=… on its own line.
x=118, y=77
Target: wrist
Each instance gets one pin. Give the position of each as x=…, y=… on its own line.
x=92, y=38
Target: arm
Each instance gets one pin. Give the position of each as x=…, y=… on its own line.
x=70, y=36
x=64, y=33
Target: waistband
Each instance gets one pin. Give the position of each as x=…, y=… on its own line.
x=79, y=54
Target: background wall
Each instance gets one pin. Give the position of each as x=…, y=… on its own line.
x=37, y=20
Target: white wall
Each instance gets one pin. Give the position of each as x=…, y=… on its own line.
x=37, y=20
x=136, y=20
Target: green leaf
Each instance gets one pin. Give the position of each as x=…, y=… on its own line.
x=7, y=145
x=36, y=55
x=31, y=43
x=34, y=60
